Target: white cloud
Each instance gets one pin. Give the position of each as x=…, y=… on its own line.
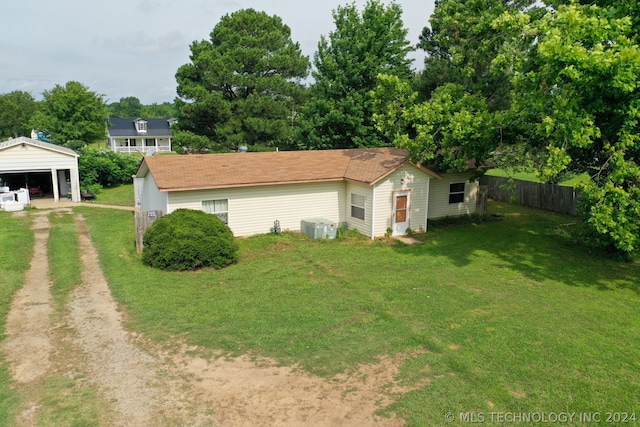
x=122, y=48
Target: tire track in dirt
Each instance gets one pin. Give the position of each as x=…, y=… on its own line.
x=28, y=343
x=141, y=393
x=144, y=385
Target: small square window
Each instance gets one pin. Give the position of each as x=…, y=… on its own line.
x=219, y=208
x=456, y=192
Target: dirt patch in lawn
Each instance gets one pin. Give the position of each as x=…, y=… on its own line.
x=142, y=385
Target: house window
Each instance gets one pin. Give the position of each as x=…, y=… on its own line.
x=132, y=142
x=357, y=206
x=141, y=126
x=219, y=208
x=456, y=192
x=150, y=142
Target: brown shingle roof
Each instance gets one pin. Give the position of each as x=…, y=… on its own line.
x=208, y=171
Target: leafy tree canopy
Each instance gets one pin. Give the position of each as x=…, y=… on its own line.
x=71, y=113
x=445, y=132
x=573, y=105
x=185, y=142
x=126, y=107
x=155, y=110
x=241, y=85
x=461, y=44
x=16, y=110
x=581, y=103
x=132, y=107
x=339, y=113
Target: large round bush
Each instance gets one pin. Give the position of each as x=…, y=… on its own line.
x=188, y=240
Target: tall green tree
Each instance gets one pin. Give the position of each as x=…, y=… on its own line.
x=126, y=107
x=159, y=111
x=71, y=113
x=461, y=44
x=243, y=83
x=339, y=113
x=16, y=110
x=446, y=132
x=581, y=102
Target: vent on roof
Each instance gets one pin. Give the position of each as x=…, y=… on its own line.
x=318, y=228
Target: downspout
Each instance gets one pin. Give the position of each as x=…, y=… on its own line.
x=373, y=212
x=426, y=216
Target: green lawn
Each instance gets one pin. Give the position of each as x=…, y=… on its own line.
x=510, y=315
x=121, y=195
x=531, y=176
x=16, y=249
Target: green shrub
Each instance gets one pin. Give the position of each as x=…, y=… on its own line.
x=189, y=240
x=105, y=167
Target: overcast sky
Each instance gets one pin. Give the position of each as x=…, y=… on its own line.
x=126, y=48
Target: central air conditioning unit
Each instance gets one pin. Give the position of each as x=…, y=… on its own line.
x=318, y=228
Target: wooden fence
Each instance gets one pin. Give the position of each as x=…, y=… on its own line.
x=551, y=197
x=144, y=219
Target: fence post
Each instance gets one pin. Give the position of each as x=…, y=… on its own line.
x=481, y=201
x=144, y=220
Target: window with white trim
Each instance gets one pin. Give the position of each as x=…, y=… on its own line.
x=456, y=192
x=357, y=206
x=141, y=126
x=219, y=208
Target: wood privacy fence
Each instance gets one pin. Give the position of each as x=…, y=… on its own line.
x=144, y=219
x=551, y=197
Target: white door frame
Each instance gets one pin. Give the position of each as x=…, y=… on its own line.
x=399, y=228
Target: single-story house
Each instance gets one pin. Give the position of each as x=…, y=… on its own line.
x=131, y=135
x=47, y=170
x=373, y=190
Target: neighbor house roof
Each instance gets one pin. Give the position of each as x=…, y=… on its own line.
x=209, y=171
x=126, y=127
x=37, y=143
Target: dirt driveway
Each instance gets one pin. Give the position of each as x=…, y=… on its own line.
x=144, y=385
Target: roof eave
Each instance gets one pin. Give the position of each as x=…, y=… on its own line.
x=241, y=185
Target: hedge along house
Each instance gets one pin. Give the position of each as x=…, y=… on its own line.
x=46, y=169
x=371, y=190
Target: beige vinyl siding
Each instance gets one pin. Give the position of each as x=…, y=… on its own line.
x=363, y=227
x=253, y=210
x=417, y=183
x=32, y=159
x=439, y=205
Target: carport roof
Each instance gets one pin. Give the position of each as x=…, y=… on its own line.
x=36, y=143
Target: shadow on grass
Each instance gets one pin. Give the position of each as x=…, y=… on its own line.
x=532, y=242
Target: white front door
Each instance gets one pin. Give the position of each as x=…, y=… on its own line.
x=400, y=220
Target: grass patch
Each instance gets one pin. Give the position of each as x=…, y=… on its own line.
x=121, y=195
x=511, y=315
x=65, y=403
x=65, y=267
x=16, y=250
x=572, y=181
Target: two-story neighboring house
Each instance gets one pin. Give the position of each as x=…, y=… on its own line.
x=137, y=135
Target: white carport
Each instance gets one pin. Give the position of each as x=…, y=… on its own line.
x=29, y=163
